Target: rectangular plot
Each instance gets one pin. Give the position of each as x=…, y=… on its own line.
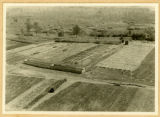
x=20, y=49
x=81, y=54
x=29, y=96
x=43, y=91
x=102, y=40
x=143, y=103
x=16, y=85
x=41, y=49
x=56, y=55
x=83, y=97
x=128, y=58
x=123, y=100
x=146, y=71
x=14, y=58
x=14, y=44
x=90, y=56
x=111, y=74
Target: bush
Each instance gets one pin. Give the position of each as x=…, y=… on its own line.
x=76, y=30
x=60, y=34
x=138, y=37
x=151, y=39
x=37, y=27
x=97, y=42
x=28, y=25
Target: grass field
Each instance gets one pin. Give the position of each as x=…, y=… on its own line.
x=23, y=92
x=16, y=85
x=13, y=44
x=146, y=71
x=44, y=90
x=143, y=100
x=14, y=58
x=93, y=97
x=37, y=38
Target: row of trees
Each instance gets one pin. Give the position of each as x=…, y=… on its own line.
x=75, y=31
x=34, y=26
x=38, y=29
x=148, y=35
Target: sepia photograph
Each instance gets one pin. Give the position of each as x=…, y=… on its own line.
x=80, y=58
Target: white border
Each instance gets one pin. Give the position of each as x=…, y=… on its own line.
x=156, y=56
x=4, y=59
x=88, y=5
x=81, y=4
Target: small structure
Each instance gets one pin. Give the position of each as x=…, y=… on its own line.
x=51, y=90
x=122, y=40
x=125, y=40
x=126, y=43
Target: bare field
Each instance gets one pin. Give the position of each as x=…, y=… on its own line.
x=88, y=58
x=128, y=58
x=94, y=97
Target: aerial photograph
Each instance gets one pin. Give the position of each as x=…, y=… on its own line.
x=79, y=58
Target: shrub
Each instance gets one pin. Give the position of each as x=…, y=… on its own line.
x=28, y=25
x=60, y=34
x=138, y=37
x=37, y=27
x=76, y=30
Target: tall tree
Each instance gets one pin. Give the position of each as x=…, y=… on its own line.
x=28, y=25
x=37, y=27
x=76, y=30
